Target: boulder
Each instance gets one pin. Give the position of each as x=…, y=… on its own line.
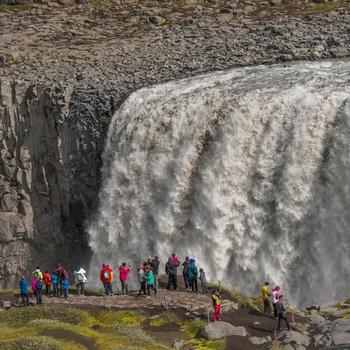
x=178, y=344
x=297, y=338
x=217, y=330
x=341, y=331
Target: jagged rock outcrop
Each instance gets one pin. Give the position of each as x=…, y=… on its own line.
x=51, y=143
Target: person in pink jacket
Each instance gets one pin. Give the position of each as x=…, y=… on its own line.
x=123, y=276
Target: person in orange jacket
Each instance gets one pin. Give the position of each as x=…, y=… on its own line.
x=47, y=280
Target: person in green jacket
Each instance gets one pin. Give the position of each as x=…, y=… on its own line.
x=193, y=275
x=149, y=277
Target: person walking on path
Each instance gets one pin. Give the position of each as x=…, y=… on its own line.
x=54, y=281
x=282, y=307
x=265, y=292
x=170, y=270
x=106, y=277
x=149, y=277
x=154, y=263
x=193, y=275
x=80, y=280
x=123, y=276
x=185, y=272
x=216, y=297
x=47, y=280
x=274, y=299
x=23, y=285
x=203, y=279
x=142, y=280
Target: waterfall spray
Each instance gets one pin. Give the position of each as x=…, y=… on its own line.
x=247, y=171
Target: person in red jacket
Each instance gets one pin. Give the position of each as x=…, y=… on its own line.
x=106, y=277
x=123, y=276
x=47, y=280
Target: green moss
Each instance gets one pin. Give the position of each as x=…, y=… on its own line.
x=31, y=342
x=165, y=318
x=114, y=318
x=22, y=316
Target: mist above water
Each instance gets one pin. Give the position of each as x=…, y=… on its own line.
x=247, y=171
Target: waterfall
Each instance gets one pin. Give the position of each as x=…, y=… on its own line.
x=247, y=171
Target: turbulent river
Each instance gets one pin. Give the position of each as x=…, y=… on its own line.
x=247, y=171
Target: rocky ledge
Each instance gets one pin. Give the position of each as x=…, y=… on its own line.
x=65, y=68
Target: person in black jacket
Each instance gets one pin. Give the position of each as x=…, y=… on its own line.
x=154, y=263
x=171, y=271
x=185, y=272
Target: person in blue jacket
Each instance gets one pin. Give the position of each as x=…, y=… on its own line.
x=65, y=286
x=54, y=281
x=23, y=285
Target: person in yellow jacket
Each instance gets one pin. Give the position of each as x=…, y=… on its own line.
x=216, y=297
x=265, y=292
x=38, y=272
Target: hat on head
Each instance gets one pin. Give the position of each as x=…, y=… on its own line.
x=192, y=261
x=38, y=267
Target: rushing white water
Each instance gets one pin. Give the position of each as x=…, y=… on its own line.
x=247, y=171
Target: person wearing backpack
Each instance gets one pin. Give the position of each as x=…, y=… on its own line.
x=23, y=285
x=54, y=281
x=80, y=280
x=65, y=286
x=38, y=290
x=106, y=277
x=62, y=275
x=38, y=272
x=47, y=280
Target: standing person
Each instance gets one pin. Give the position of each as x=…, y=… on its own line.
x=38, y=272
x=265, y=292
x=62, y=275
x=23, y=285
x=175, y=259
x=39, y=288
x=193, y=275
x=34, y=289
x=281, y=311
x=123, y=276
x=170, y=270
x=65, y=286
x=142, y=280
x=185, y=272
x=203, y=280
x=149, y=277
x=274, y=299
x=80, y=279
x=216, y=297
x=106, y=277
x=47, y=280
x=154, y=263
x=54, y=281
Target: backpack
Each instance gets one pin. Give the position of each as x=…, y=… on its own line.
x=39, y=285
x=64, y=275
x=80, y=277
x=106, y=275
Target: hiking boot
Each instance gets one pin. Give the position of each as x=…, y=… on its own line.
x=148, y=297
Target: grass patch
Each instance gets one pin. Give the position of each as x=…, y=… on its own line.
x=114, y=318
x=165, y=318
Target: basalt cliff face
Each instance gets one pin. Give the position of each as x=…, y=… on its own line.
x=64, y=70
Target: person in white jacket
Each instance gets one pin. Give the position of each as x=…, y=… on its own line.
x=80, y=280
